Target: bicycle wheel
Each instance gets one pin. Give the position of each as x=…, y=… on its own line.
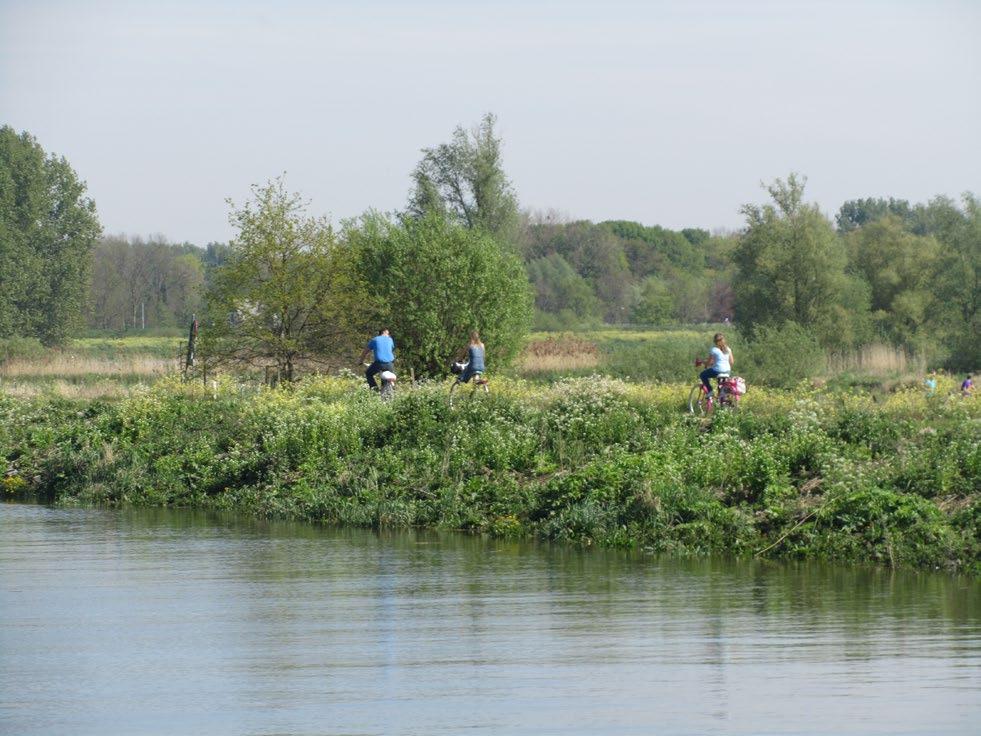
x=697, y=400
x=453, y=387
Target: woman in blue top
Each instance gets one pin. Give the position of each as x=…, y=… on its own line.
x=475, y=358
x=719, y=361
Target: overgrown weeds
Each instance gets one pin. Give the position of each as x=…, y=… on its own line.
x=591, y=461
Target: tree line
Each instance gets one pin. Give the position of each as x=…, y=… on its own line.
x=884, y=270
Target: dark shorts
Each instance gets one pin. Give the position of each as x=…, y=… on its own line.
x=467, y=374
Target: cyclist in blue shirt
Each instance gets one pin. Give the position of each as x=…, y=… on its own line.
x=383, y=348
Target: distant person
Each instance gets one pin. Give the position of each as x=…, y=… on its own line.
x=474, y=354
x=383, y=349
x=931, y=383
x=719, y=361
x=967, y=386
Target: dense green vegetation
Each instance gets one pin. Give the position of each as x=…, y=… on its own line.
x=886, y=272
x=890, y=477
x=48, y=227
x=589, y=461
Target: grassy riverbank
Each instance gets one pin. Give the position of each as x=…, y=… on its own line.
x=588, y=461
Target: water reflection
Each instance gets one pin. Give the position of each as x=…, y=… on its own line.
x=178, y=622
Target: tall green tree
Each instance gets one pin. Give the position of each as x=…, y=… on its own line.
x=596, y=254
x=465, y=181
x=152, y=283
x=433, y=281
x=791, y=267
x=856, y=213
x=48, y=227
x=901, y=270
x=958, y=282
x=560, y=290
x=287, y=294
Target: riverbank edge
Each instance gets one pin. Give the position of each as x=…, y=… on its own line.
x=591, y=462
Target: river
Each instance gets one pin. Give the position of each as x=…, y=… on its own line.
x=172, y=622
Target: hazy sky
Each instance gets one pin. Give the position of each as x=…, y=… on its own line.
x=669, y=112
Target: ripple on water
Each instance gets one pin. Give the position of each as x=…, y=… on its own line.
x=179, y=622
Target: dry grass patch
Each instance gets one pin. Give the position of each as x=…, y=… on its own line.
x=73, y=366
x=876, y=360
x=555, y=354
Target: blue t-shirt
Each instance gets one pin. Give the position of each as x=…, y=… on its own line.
x=721, y=363
x=383, y=347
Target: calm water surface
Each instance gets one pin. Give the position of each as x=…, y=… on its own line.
x=180, y=623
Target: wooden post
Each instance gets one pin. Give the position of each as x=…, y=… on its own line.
x=192, y=341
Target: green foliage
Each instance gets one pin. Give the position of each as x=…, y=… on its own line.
x=670, y=358
x=882, y=526
x=47, y=230
x=560, y=290
x=783, y=355
x=957, y=285
x=649, y=243
x=465, y=181
x=287, y=293
x=655, y=303
x=433, y=282
x=857, y=213
x=900, y=269
x=595, y=253
x=588, y=461
x=29, y=348
x=791, y=266
x=137, y=284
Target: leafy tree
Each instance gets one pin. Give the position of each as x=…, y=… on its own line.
x=791, y=265
x=48, y=227
x=655, y=304
x=681, y=250
x=559, y=288
x=596, y=254
x=856, y=213
x=783, y=355
x=901, y=270
x=136, y=282
x=958, y=282
x=433, y=282
x=287, y=295
x=465, y=181
x=690, y=294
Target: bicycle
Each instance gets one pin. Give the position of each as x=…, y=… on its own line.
x=479, y=382
x=388, y=378
x=387, y=390
x=727, y=394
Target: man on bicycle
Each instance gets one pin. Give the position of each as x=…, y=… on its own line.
x=383, y=348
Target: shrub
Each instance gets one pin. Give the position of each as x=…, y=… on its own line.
x=22, y=348
x=592, y=461
x=782, y=356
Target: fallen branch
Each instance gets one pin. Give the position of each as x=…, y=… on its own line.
x=785, y=534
